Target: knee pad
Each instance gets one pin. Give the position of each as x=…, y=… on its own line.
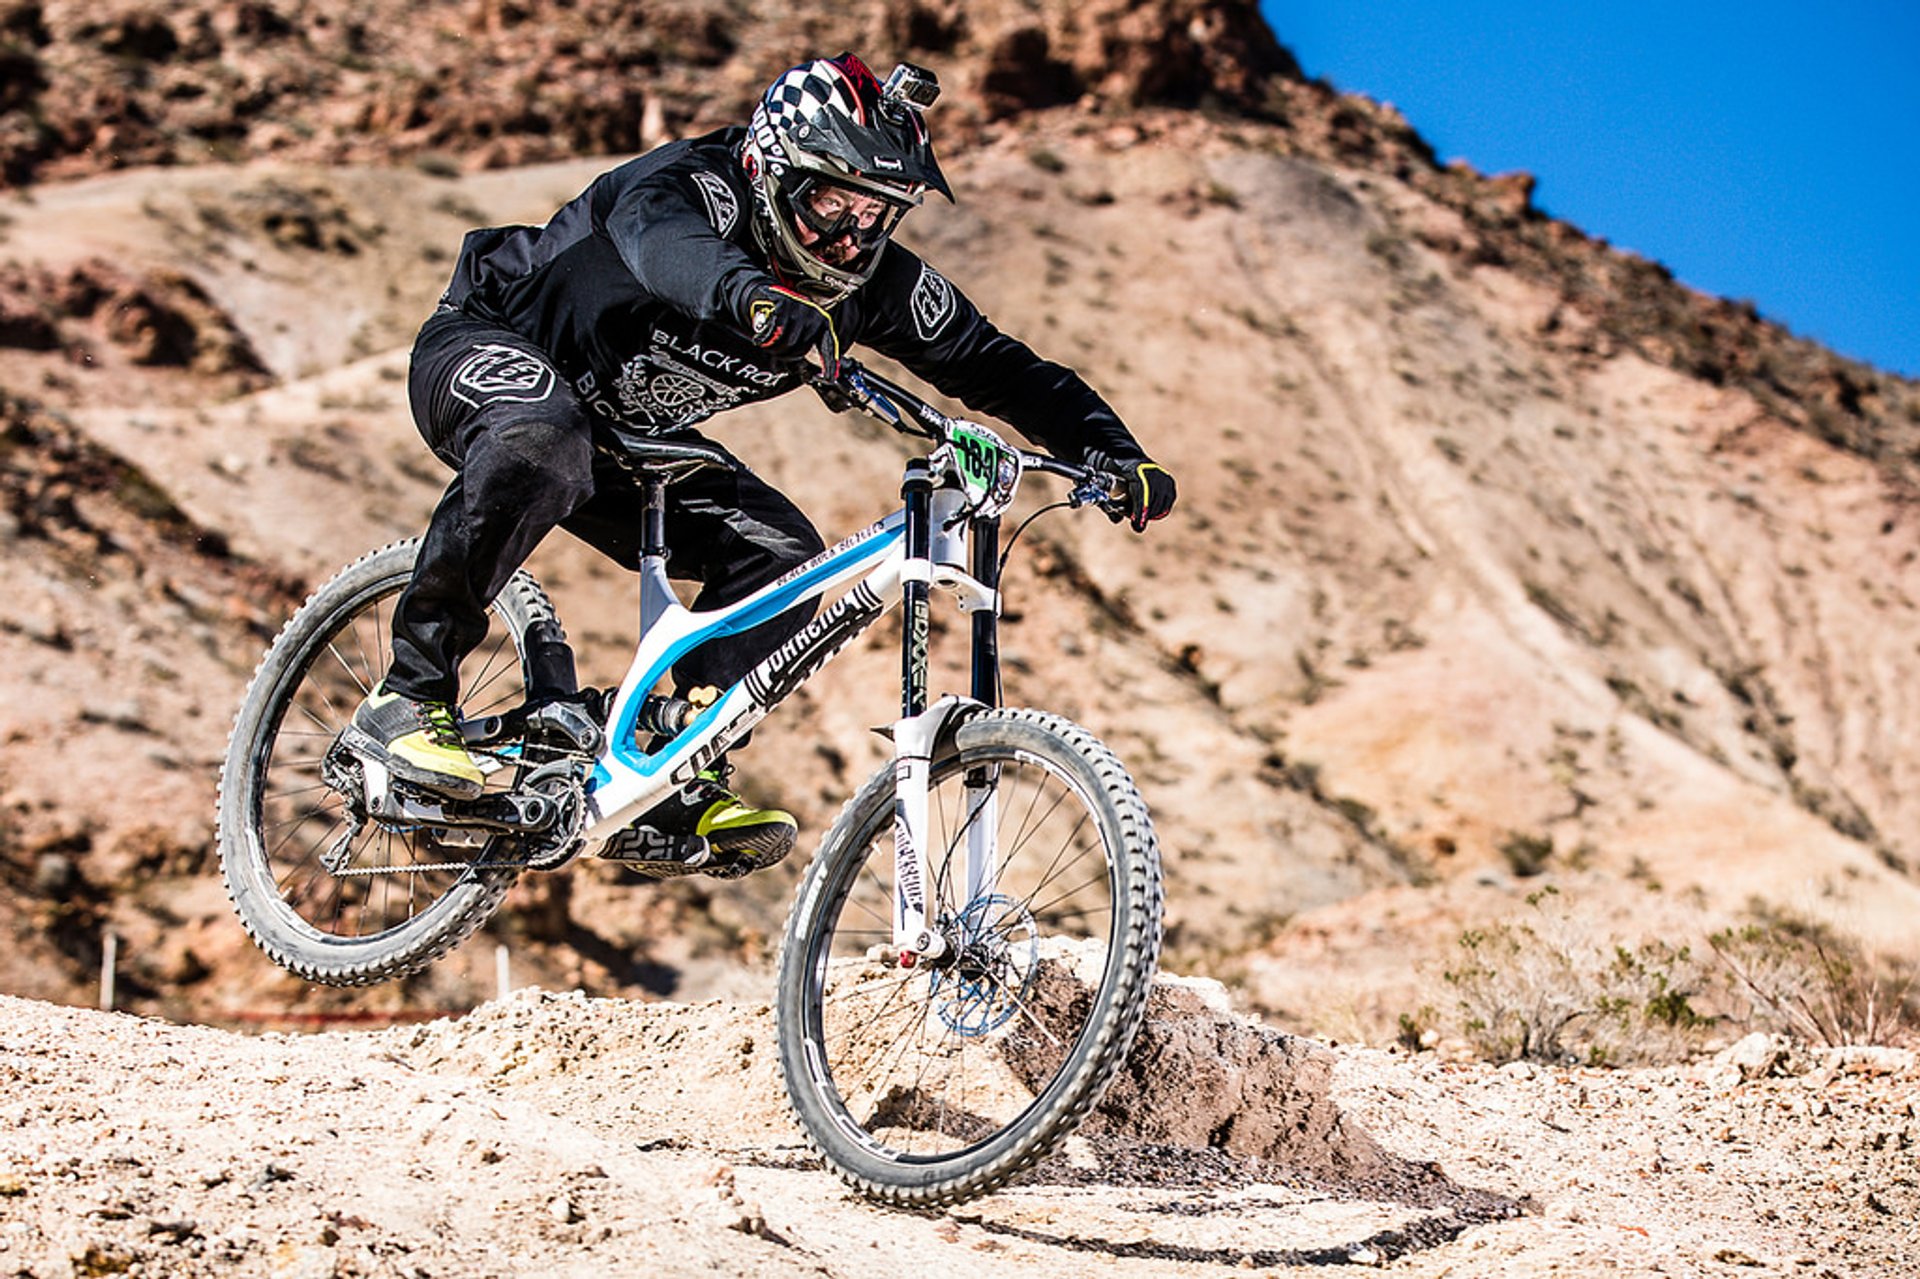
x=546, y=463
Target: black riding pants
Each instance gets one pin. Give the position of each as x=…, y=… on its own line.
x=521, y=446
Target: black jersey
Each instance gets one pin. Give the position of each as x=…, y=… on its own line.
x=636, y=289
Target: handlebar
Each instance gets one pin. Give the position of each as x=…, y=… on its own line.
x=855, y=386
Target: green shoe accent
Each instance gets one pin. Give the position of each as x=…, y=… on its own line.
x=729, y=816
x=418, y=742
x=745, y=838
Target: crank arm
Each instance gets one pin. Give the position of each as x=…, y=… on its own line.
x=511, y=814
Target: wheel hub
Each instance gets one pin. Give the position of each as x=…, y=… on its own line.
x=993, y=957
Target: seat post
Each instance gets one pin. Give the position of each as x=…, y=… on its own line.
x=653, y=514
x=656, y=595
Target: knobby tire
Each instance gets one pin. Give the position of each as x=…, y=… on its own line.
x=921, y=1087
x=277, y=818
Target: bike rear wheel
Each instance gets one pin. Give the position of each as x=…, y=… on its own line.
x=323, y=901
x=932, y=1084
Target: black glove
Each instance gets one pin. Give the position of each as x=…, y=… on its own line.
x=792, y=327
x=1149, y=488
x=1150, y=494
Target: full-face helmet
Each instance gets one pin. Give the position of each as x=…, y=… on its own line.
x=836, y=159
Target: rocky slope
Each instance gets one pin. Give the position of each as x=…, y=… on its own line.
x=1503, y=559
x=488, y=83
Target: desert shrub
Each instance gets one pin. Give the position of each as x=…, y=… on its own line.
x=1046, y=160
x=1549, y=987
x=1526, y=854
x=1791, y=973
x=1545, y=988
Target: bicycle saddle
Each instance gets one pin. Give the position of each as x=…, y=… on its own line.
x=672, y=458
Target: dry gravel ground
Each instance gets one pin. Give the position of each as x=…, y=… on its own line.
x=560, y=1135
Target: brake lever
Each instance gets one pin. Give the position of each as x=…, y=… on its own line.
x=854, y=388
x=832, y=394
x=1101, y=490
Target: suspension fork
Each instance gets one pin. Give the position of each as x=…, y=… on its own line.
x=913, y=737
x=983, y=822
x=922, y=727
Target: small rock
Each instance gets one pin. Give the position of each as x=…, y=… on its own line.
x=1079, y=1153
x=175, y=1232
x=12, y=1185
x=42, y=627
x=1730, y=1256
x=1518, y=1070
x=1861, y=1059
x=563, y=1210
x=1365, y=1256
x=101, y=1259
x=268, y=1176
x=719, y=1205
x=311, y=1261
x=1565, y=1210
x=55, y=875
x=127, y=714
x=1756, y=1056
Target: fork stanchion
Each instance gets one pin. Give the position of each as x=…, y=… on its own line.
x=985, y=567
x=917, y=490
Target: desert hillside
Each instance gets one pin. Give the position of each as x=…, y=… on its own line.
x=1516, y=592
x=1525, y=678
x=1502, y=561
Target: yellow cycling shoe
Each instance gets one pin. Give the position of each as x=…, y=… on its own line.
x=743, y=838
x=418, y=742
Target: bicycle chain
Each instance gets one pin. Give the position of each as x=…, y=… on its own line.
x=546, y=851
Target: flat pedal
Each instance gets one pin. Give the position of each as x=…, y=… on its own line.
x=657, y=854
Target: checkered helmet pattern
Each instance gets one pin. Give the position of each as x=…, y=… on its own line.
x=804, y=92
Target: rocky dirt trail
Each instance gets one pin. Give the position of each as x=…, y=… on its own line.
x=554, y=1134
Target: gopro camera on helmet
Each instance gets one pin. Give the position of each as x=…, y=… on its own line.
x=912, y=86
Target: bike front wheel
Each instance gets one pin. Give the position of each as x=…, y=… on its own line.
x=933, y=1083
x=328, y=894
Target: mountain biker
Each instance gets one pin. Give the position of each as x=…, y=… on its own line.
x=693, y=279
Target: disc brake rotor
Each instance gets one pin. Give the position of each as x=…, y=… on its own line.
x=989, y=978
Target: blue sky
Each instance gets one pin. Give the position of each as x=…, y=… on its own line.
x=1765, y=150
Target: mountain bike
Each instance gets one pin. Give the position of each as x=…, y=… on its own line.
x=967, y=960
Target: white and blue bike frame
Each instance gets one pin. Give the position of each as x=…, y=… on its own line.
x=946, y=535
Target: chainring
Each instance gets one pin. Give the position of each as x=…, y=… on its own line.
x=559, y=844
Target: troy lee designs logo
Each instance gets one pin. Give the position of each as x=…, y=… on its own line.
x=932, y=303
x=722, y=208
x=494, y=373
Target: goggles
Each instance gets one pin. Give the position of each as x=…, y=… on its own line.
x=834, y=211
